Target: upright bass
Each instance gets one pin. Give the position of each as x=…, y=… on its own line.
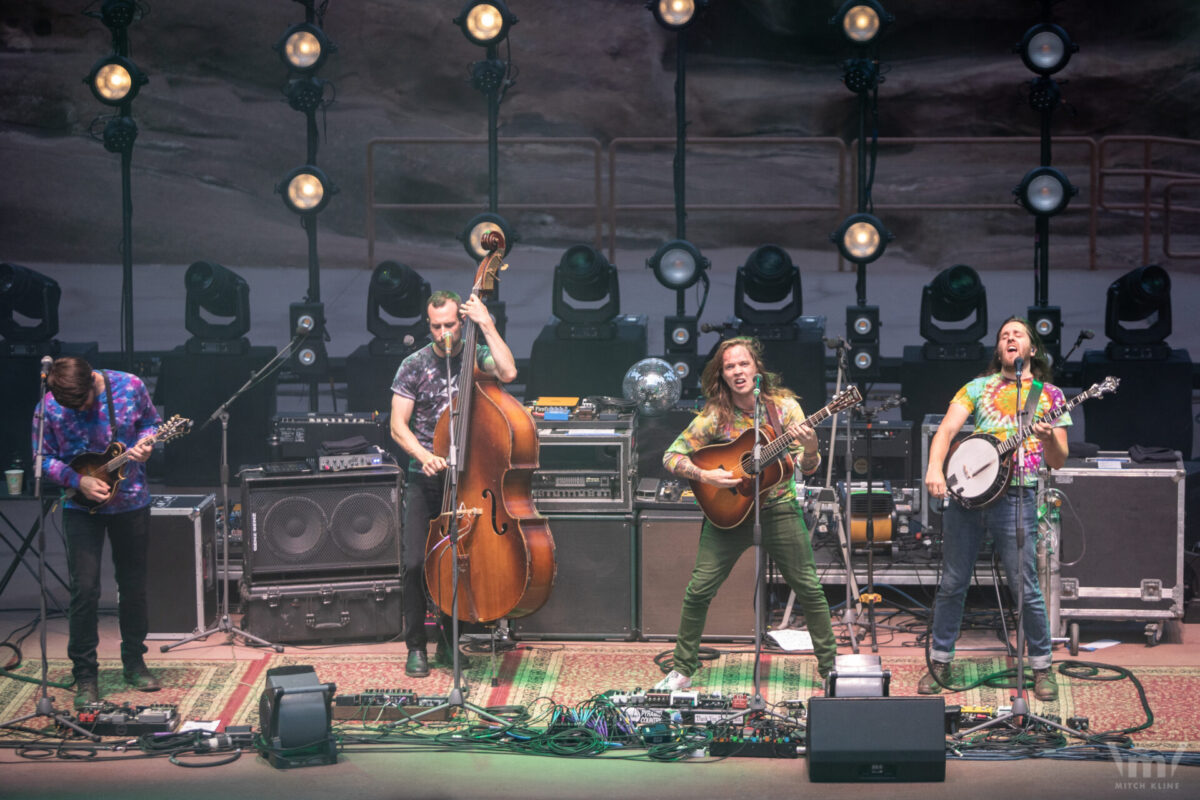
x=505, y=550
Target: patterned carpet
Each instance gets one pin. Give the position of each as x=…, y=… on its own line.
x=569, y=674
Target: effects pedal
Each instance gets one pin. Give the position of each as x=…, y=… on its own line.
x=378, y=705
x=107, y=719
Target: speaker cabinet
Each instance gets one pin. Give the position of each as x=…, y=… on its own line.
x=582, y=365
x=667, y=548
x=593, y=588
x=1122, y=419
x=337, y=525
x=181, y=556
x=876, y=739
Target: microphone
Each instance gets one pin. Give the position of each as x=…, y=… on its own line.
x=837, y=343
x=446, y=339
x=757, y=384
x=47, y=362
x=1086, y=334
x=716, y=328
x=304, y=324
x=892, y=402
x=1019, y=366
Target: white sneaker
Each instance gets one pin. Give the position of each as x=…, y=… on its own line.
x=673, y=682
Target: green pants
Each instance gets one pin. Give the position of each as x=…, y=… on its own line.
x=785, y=539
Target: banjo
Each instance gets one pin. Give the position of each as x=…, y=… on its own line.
x=979, y=466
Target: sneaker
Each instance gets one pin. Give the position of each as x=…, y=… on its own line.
x=417, y=665
x=141, y=678
x=1045, y=688
x=86, y=691
x=929, y=683
x=673, y=682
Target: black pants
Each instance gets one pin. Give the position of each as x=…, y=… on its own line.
x=129, y=533
x=422, y=502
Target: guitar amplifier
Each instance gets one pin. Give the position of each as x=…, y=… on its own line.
x=299, y=436
x=891, y=450
x=585, y=466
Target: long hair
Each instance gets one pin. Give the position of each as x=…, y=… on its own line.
x=70, y=381
x=717, y=392
x=1039, y=365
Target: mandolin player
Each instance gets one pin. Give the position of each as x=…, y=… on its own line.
x=992, y=399
x=86, y=411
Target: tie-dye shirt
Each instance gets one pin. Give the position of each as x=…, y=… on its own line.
x=704, y=430
x=70, y=433
x=422, y=379
x=993, y=401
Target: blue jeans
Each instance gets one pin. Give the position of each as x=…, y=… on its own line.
x=965, y=532
x=129, y=533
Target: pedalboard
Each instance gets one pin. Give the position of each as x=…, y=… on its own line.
x=107, y=719
x=378, y=705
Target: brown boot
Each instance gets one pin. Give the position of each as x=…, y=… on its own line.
x=940, y=670
x=1045, y=688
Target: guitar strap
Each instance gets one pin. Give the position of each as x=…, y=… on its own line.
x=1031, y=401
x=112, y=417
x=773, y=418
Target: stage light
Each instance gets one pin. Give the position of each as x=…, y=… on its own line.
x=398, y=291
x=862, y=332
x=860, y=75
x=34, y=297
x=472, y=235
x=115, y=80
x=768, y=276
x=1044, y=94
x=295, y=718
x=120, y=134
x=678, y=264
x=309, y=357
x=954, y=295
x=304, y=48
x=675, y=15
x=220, y=293
x=861, y=238
x=1138, y=312
x=584, y=275
x=488, y=76
x=306, y=190
x=1047, y=321
x=485, y=23
x=1046, y=48
x=1044, y=192
x=306, y=94
x=862, y=20
x=118, y=14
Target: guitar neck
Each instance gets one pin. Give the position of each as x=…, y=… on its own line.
x=776, y=447
x=1013, y=442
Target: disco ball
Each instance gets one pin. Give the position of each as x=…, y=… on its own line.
x=653, y=385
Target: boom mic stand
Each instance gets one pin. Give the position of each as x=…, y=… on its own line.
x=1020, y=703
x=455, y=698
x=757, y=706
x=222, y=623
x=45, y=703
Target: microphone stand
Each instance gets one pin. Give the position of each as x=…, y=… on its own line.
x=757, y=705
x=455, y=697
x=1020, y=703
x=45, y=703
x=222, y=622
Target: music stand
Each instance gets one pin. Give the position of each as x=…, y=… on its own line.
x=223, y=623
x=1020, y=703
x=455, y=697
x=45, y=703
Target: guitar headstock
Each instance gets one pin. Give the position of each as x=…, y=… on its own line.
x=488, y=274
x=173, y=428
x=1106, y=386
x=846, y=398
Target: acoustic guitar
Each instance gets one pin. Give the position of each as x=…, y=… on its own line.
x=109, y=466
x=979, y=466
x=727, y=507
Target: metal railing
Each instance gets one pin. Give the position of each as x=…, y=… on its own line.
x=1150, y=148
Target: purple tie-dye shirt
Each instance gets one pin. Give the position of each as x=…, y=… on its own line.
x=993, y=401
x=70, y=433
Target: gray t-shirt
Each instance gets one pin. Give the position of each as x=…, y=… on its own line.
x=422, y=379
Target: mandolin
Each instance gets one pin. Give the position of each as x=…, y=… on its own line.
x=109, y=466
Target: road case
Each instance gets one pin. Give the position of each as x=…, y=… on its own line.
x=181, y=580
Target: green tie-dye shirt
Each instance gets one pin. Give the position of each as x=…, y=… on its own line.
x=993, y=401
